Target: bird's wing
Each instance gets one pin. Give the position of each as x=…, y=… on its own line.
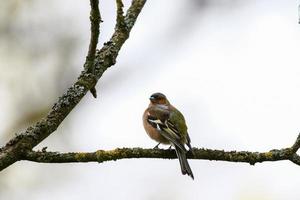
x=159, y=119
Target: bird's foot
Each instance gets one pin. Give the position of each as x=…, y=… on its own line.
x=156, y=147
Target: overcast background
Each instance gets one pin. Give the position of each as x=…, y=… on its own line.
x=231, y=67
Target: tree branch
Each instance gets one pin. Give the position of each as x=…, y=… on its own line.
x=198, y=153
x=18, y=146
x=95, y=18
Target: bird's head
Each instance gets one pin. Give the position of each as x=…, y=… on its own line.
x=159, y=98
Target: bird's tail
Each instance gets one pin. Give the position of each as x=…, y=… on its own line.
x=185, y=167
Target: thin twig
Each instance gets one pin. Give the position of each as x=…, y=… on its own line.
x=296, y=145
x=120, y=17
x=95, y=18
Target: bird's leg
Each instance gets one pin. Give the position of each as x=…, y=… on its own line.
x=190, y=148
x=156, y=147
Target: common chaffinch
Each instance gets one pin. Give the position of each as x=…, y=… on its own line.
x=166, y=125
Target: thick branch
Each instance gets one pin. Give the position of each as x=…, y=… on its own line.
x=198, y=153
x=125, y=153
x=17, y=147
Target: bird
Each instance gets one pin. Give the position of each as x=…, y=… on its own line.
x=166, y=125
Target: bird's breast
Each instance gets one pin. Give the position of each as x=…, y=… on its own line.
x=152, y=132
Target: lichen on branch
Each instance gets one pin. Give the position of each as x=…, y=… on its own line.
x=198, y=153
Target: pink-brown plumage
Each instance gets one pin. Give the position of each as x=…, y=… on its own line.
x=151, y=131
